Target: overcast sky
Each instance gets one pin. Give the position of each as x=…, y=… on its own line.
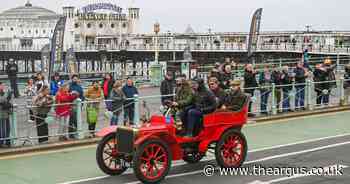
x=222, y=15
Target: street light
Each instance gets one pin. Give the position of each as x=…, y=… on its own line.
x=156, y=29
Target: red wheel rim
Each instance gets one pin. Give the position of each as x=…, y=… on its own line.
x=111, y=157
x=154, y=161
x=232, y=150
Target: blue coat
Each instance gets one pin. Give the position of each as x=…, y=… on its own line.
x=129, y=92
x=78, y=88
x=54, y=86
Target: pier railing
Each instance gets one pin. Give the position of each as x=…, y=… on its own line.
x=223, y=47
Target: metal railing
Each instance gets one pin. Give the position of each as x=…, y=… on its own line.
x=271, y=99
x=238, y=47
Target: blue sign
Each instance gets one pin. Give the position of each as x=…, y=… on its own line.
x=102, y=6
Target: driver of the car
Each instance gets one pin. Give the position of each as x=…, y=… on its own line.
x=235, y=98
x=183, y=98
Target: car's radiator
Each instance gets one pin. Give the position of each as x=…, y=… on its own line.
x=125, y=138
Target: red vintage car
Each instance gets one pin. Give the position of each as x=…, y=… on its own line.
x=151, y=148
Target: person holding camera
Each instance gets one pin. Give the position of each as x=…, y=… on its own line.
x=5, y=111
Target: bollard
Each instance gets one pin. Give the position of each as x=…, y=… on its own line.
x=309, y=94
x=136, y=110
x=78, y=104
x=273, y=96
x=13, y=126
x=342, y=92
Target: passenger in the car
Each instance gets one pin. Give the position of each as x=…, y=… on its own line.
x=219, y=93
x=235, y=98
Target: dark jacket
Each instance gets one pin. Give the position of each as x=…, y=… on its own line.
x=12, y=69
x=220, y=95
x=347, y=79
x=129, y=92
x=235, y=100
x=5, y=105
x=321, y=76
x=118, y=98
x=286, y=79
x=250, y=82
x=300, y=77
x=76, y=87
x=204, y=100
x=110, y=87
x=167, y=88
x=276, y=78
x=225, y=79
x=265, y=82
x=331, y=76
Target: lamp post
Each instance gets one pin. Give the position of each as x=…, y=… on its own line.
x=156, y=68
x=156, y=29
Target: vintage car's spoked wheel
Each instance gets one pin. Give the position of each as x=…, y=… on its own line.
x=231, y=150
x=108, y=158
x=152, y=161
x=193, y=158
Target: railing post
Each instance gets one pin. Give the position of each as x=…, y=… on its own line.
x=309, y=94
x=78, y=104
x=13, y=125
x=136, y=109
x=338, y=63
x=273, y=96
x=342, y=93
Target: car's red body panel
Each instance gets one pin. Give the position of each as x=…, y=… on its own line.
x=215, y=124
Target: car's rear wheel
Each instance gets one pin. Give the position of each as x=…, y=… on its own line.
x=108, y=158
x=193, y=158
x=231, y=150
x=152, y=161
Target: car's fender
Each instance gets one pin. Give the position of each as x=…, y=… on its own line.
x=105, y=131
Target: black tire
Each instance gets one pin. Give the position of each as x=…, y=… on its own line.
x=243, y=150
x=100, y=152
x=193, y=158
x=140, y=152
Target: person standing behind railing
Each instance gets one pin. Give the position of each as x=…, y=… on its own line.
x=286, y=81
x=5, y=111
x=320, y=79
x=347, y=84
x=250, y=83
x=30, y=92
x=73, y=120
x=226, y=76
x=167, y=88
x=129, y=106
x=40, y=82
x=276, y=78
x=301, y=73
x=55, y=84
x=64, y=101
x=107, y=85
x=118, y=98
x=265, y=82
x=42, y=105
x=93, y=97
x=12, y=70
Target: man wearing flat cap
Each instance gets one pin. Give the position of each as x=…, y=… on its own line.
x=235, y=98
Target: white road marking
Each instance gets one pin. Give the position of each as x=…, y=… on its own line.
x=249, y=162
x=328, y=168
x=258, y=160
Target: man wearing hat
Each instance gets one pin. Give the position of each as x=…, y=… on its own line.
x=11, y=70
x=347, y=83
x=235, y=98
